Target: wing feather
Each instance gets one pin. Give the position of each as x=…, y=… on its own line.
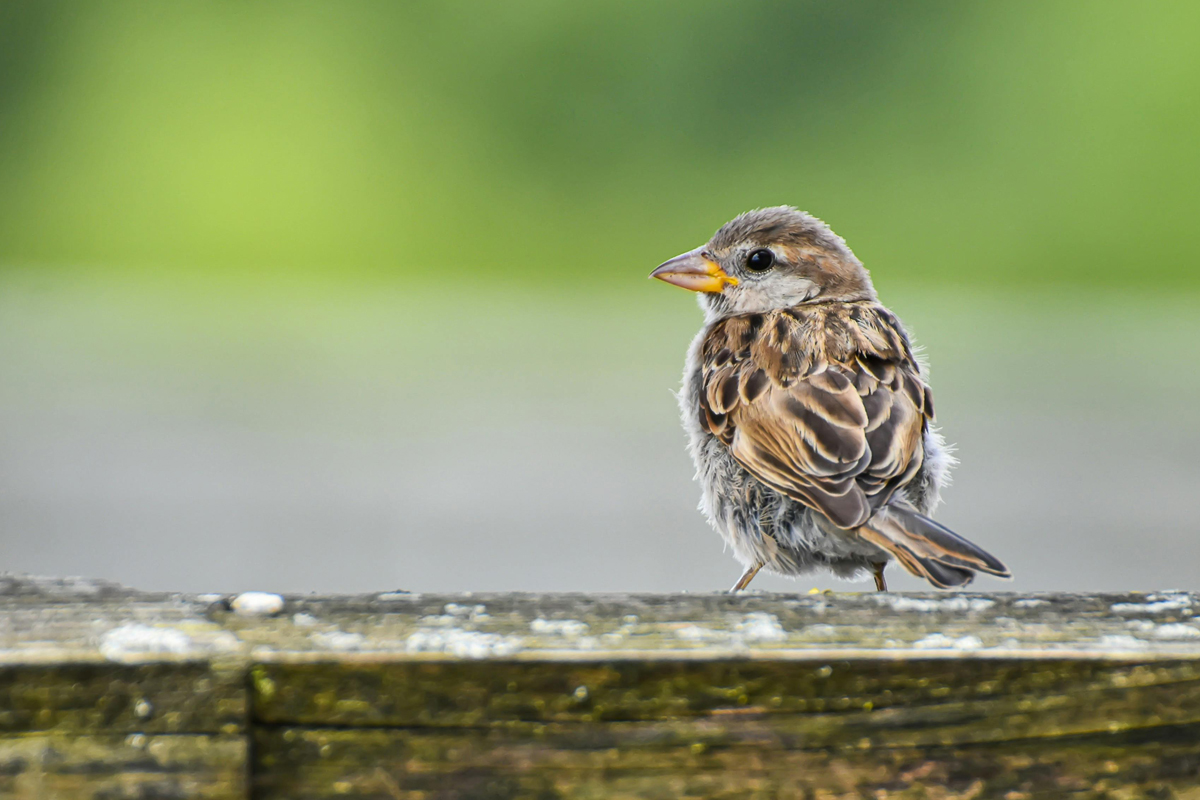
x=823, y=403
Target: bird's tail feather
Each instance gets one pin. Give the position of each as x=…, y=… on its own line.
x=929, y=550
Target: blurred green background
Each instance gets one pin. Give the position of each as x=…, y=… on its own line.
x=352, y=295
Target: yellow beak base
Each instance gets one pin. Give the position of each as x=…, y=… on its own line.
x=695, y=272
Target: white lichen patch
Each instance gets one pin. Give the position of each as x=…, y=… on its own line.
x=339, y=640
x=1176, y=630
x=455, y=614
x=570, y=628
x=1155, y=604
x=132, y=640
x=820, y=631
x=463, y=643
x=759, y=626
x=940, y=641
x=257, y=604
x=901, y=603
x=695, y=633
x=1171, y=594
x=1121, y=642
x=302, y=620
x=1029, y=602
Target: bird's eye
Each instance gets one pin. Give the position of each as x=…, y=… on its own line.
x=760, y=260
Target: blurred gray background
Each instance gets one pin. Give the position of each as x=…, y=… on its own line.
x=349, y=297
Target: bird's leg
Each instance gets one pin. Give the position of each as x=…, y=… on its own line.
x=880, y=583
x=747, y=576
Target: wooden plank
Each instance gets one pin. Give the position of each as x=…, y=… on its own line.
x=568, y=763
x=878, y=627
x=814, y=704
x=188, y=697
x=89, y=657
x=108, y=693
x=1083, y=662
x=731, y=697
x=583, y=696
x=134, y=767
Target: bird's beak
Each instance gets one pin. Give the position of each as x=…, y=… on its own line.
x=695, y=272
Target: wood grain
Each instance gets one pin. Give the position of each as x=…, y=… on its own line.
x=557, y=763
x=134, y=767
x=110, y=693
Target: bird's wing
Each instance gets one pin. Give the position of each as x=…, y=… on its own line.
x=824, y=405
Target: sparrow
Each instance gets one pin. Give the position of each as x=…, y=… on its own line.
x=807, y=415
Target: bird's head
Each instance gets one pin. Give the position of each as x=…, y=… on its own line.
x=768, y=259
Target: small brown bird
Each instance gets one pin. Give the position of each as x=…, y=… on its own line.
x=806, y=413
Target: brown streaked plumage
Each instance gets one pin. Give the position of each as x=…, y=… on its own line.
x=822, y=403
x=809, y=419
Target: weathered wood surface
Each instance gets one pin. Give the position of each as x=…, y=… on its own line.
x=109, y=693
x=115, y=767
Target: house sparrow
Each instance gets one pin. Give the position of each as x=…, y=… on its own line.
x=807, y=416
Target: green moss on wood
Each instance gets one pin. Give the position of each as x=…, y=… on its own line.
x=133, y=767
x=561, y=764
x=118, y=698
x=958, y=701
